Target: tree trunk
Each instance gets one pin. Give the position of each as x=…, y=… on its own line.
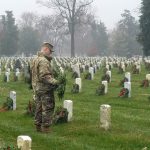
x=72, y=41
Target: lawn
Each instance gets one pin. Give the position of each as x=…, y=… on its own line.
x=130, y=128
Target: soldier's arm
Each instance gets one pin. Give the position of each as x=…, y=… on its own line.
x=45, y=74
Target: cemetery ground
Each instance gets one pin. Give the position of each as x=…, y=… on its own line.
x=130, y=129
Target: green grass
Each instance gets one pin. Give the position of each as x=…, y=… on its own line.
x=130, y=128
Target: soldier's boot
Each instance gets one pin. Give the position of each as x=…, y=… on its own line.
x=38, y=128
x=46, y=130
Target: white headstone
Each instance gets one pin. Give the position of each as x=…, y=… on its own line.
x=17, y=72
x=105, y=116
x=99, y=64
x=78, y=81
x=106, y=86
x=123, y=68
x=107, y=67
x=62, y=70
x=138, y=67
x=83, y=66
x=109, y=73
x=24, y=142
x=128, y=76
x=7, y=76
x=148, y=77
x=95, y=67
x=13, y=97
x=76, y=69
x=8, y=69
x=68, y=104
x=122, y=63
x=91, y=71
x=128, y=86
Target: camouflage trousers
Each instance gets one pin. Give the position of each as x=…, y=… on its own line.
x=45, y=104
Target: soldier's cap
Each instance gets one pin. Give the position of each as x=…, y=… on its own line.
x=50, y=46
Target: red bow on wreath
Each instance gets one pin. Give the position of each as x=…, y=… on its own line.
x=124, y=92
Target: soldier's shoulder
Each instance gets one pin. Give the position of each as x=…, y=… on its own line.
x=38, y=59
x=35, y=60
x=42, y=59
x=32, y=61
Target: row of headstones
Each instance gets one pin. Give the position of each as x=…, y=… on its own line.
x=96, y=61
x=91, y=70
x=123, y=64
x=68, y=104
x=126, y=84
x=18, y=73
x=7, y=74
x=10, y=61
x=74, y=67
x=79, y=81
x=13, y=63
x=93, y=63
x=105, y=83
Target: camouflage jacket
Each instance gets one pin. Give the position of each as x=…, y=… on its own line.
x=42, y=76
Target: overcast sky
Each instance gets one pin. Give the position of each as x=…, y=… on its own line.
x=107, y=10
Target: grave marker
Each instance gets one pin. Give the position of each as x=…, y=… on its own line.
x=128, y=86
x=24, y=142
x=12, y=95
x=105, y=116
x=106, y=86
x=78, y=81
x=68, y=104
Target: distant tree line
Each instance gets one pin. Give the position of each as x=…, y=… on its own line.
x=144, y=36
x=8, y=35
x=90, y=36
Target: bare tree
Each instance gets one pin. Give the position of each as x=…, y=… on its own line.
x=70, y=10
x=28, y=19
x=51, y=28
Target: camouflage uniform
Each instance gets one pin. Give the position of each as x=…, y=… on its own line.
x=43, y=85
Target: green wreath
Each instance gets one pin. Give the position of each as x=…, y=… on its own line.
x=8, y=105
x=100, y=90
x=75, y=88
x=60, y=115
x=88, y=76
x=106, y=77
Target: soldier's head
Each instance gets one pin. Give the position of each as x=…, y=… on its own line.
x=47, y=48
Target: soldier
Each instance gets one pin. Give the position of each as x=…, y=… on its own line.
x=43, y=84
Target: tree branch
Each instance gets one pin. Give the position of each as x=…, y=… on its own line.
x=83, y=6
x=69, y=10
